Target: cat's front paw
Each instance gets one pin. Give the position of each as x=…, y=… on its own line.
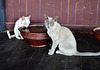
x=18, y=37
x=22, y=38
x=50, y=52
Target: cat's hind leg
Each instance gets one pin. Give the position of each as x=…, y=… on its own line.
x=62, y=53
x=59, y=52
x=17, y=37
x=21, y=36
x=17, y=34
x=9, y=36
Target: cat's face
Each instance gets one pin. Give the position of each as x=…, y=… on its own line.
x=50, y=22
x=25, y=21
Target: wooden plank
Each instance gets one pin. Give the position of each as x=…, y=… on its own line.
x=40, y=15
x=29, y=8
x=36, y=11
x=3, y=37
x=9, y=11
x=90, y=63
x=10, y=14
x=17, y=54
x=79, y=11
x=16, y=10
x=72, y=12
x=65, y=11
x=44, y=9
x=72, y=63
x=53, y=62
x=10, y=25
x=93, y=11
x=35, y=60
x=98, y=13
x=9, y=47
x=51, y=7
x=58, y=9
x=76, y=4
x=22, y=7
x=86, y=12
x=32, y=16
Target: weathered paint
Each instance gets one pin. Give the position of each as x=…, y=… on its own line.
x=70, y=12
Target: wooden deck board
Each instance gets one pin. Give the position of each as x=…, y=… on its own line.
x=18, y=55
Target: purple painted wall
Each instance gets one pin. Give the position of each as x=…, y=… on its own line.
x=79, y=15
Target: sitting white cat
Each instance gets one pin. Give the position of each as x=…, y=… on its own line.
x=63, y=38
x=21, y=22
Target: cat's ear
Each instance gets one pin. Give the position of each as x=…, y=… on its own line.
x=55, y=18
x=46, y=17
x=23, y=18
x=29, y=16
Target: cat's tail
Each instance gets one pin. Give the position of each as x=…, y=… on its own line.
x=10, y=36
x=87, y=54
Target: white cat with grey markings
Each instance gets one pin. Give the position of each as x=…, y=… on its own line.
x=63, y=38
x=21, y=22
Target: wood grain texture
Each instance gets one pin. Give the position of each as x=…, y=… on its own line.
x=18, y=55
x=65, y=11
x=98, y=13
x=16, y=10
x=70, y=12
x=9, y=11
x=79, y=12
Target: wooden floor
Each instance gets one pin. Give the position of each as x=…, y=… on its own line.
x=18, y=55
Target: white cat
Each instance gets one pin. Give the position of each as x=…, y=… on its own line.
x=21, y=22
x=63, y=38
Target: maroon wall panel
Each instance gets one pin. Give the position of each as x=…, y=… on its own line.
x=36, y=11
x=93, y=12
x=16, y=7
x=10, y=14
x=64, y=11
x=23, y=8
x=51, y=7
x=10, y=10
x=79, y=12
x=44, y=9
x=58, y=9
x=29, y=7
x=86, y=10
x=72, y=13
x=98, y=13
